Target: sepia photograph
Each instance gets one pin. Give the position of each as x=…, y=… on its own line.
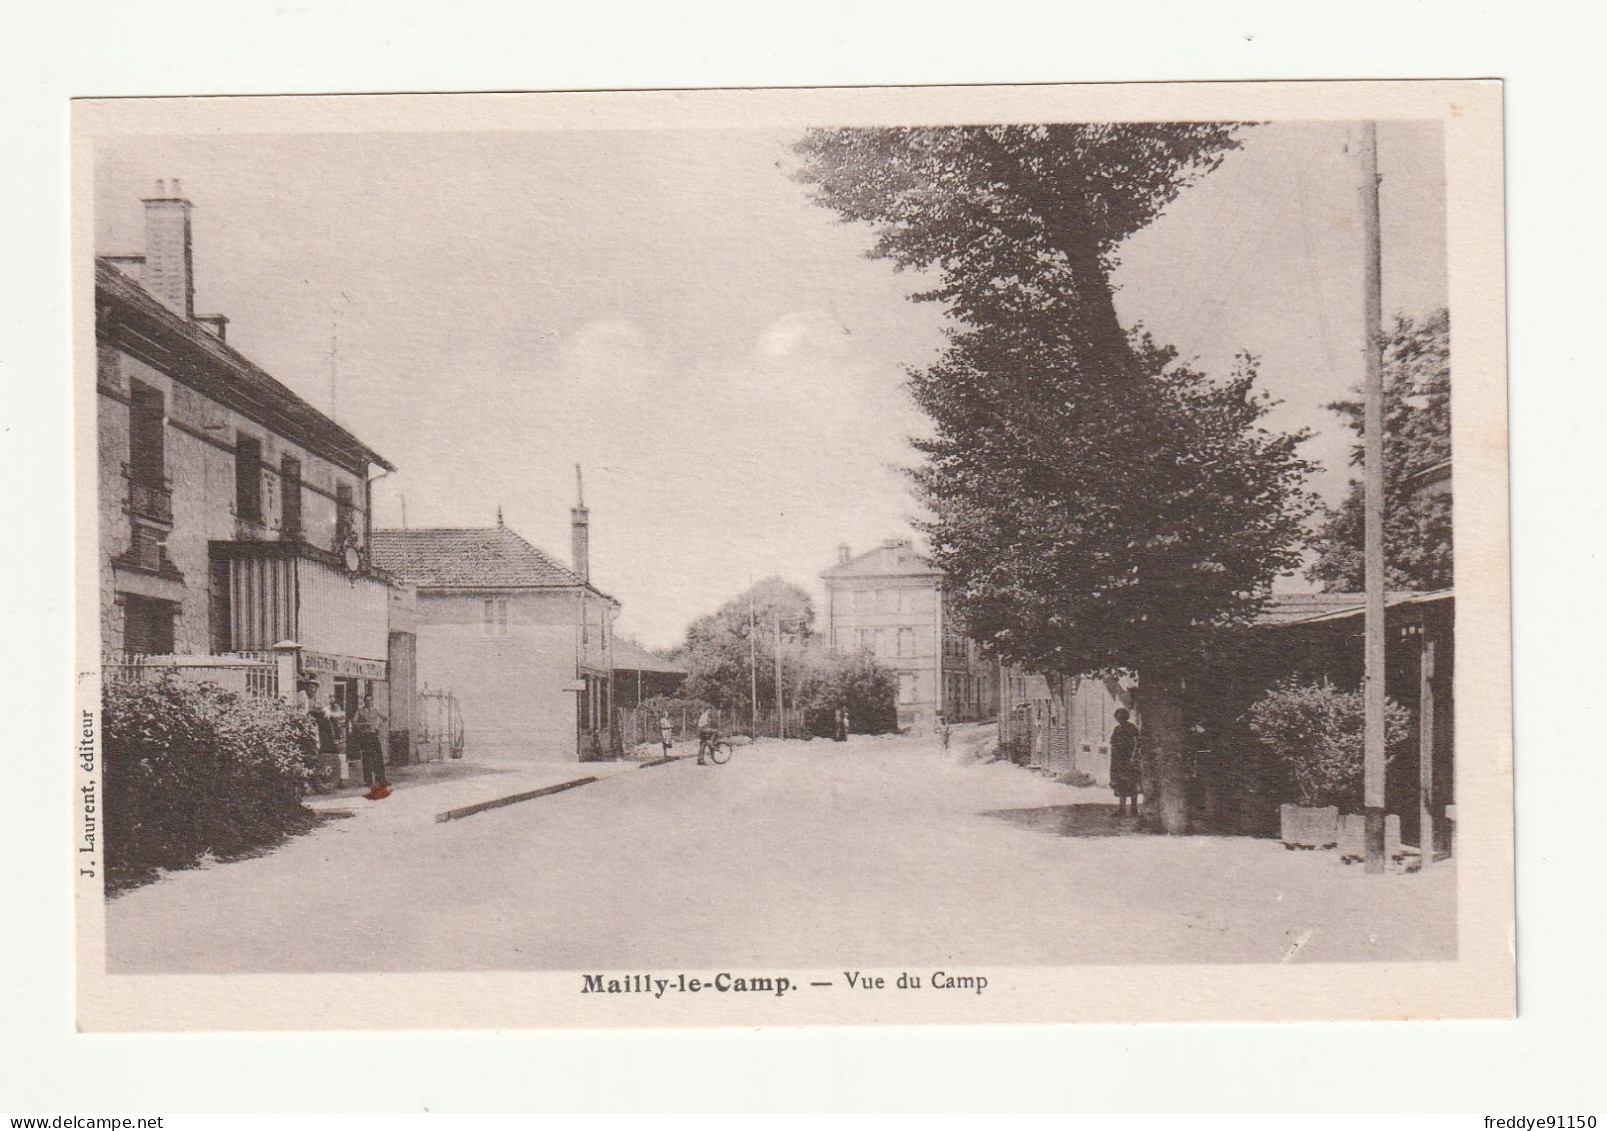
x=808, y=556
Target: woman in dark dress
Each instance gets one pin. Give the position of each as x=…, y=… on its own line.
x=1124, y=771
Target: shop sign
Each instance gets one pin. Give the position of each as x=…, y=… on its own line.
x=351, y=667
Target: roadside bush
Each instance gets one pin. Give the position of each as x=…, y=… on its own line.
x=190, y=768
x=1315, y=731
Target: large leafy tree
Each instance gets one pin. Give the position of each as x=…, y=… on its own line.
x=717, y=651
x=1095, y=505
x=1417, y=437
x=728, y=648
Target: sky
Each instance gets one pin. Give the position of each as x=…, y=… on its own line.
x=669, y=310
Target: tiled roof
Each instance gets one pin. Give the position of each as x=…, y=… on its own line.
x=491, y=557
x=895, y=559
x=633, y=657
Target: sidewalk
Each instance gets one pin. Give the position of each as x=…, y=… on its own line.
x=421, y=792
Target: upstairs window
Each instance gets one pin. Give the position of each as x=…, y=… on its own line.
x=906, y=642
x=248, y=477
x=495, y=616
x=290, y=496
x=345, y=513
x=147, y=449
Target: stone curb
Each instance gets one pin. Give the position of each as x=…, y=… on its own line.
x=511, y=799
x=530, y=795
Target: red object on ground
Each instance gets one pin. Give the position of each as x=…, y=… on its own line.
x=379, y=792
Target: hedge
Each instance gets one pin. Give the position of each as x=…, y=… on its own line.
x=191, y=769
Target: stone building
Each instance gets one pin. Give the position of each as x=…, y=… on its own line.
x=523, y=641
x=889, y=601
x=233, y=516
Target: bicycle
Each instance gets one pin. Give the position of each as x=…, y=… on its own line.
x=717, y=749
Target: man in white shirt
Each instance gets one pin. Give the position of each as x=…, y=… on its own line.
x=705, y=734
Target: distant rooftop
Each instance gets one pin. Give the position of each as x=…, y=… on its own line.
x=895, y=557
x=633, y=657
x=491, y=557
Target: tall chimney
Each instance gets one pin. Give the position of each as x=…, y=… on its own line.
x=580, y=531
x=843, y=553
x=168, y=273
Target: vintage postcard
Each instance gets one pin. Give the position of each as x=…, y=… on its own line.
x=783, y=557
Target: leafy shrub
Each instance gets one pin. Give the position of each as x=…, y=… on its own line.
x=192, y=769
x=829, y=681
x=1316, y=732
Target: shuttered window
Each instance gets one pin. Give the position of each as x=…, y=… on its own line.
x=147, y=454
x=495, y=616
x=290, y=496
x=248, y=477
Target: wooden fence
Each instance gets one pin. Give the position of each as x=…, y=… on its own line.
x=638, y=725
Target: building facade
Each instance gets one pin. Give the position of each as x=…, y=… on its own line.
x=1060, y=724
x=234, y=516
x=523, y=642
x=889, y=601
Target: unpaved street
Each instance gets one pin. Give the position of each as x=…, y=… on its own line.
x=877, y=852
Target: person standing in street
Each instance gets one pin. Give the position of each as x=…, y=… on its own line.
x=705, y=734
x=841, y=729
x=665, y=730
x=1124, y=763
x=326, y=767
x=366, y=737
x=336, y=713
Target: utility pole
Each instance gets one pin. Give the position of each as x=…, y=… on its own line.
x=1373, y=512
x=781, y=719
x=753, y=663
x=334, y=367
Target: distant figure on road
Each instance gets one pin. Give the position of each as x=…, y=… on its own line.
x=943, y=732
x=1124, y=762
x=665, y=729
x=840, y=731
x=705, y=734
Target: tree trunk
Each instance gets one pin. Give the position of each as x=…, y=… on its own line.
x=1166, y=805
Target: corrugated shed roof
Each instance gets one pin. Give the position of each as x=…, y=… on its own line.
x=492, y=557
x=1287, y=608
x=629, y=656
x=887, y=560
x=1304, y=608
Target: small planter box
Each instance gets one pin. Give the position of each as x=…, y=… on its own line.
x=1353, y=838
x=1309, y=828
